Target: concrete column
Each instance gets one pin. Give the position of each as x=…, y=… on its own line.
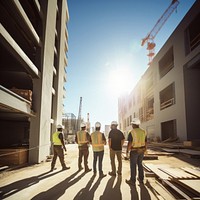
x=59, y=79
x=42, y=92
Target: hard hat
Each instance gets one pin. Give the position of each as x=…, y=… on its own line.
x=114, y=123
x=60, y=126
x=136, y=121
x=83, y=124
x=97, y=124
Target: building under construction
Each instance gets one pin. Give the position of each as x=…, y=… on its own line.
x=166, y=99
x=33, y=45
x=69, y=122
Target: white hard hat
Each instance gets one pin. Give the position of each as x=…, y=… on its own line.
x=97, y=124
x=60, y=126
x=135, y=121
x=83, y=124
x=114, y=123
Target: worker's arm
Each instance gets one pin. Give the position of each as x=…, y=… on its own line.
x=76, y=139
x=88, y=137
x=109, y=142
x=130, y=139
x=145, y=143
x=122, y=142
x=62, y=141
x=123, y=139
x=104, y=139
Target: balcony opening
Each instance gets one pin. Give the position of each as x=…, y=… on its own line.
x=192, y=35
x=168, y=129
x=166, y=63
x=150, y=109
x=167, y=96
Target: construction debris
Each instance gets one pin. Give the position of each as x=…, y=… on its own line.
x=183, y=182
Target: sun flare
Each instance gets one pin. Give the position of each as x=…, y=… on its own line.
x=119, y=80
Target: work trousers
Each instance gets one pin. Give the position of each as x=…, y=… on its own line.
x=136, y=159
x=112, y=159
x=98, y=155
x=58, y=152
x=83, y=152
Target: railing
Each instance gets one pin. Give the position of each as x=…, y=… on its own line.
x=167, y=103
x=195, y=42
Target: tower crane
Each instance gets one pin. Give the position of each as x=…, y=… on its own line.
x=149, y=39
x=79, y=115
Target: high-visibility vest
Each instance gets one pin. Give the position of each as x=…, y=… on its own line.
x=97, y=141
x=139, y=136
x=82, y=138
x=55, y=138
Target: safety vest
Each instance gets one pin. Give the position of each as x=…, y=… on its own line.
x=97, y=141
x=56, y=140
x=138, y=136
x=82, y=138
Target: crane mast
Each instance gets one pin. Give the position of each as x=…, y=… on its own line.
x=149, y=39
x=79, y=115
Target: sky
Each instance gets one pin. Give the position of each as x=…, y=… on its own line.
x=105, y=58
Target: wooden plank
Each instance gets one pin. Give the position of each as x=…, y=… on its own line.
x=191, y=185
x=177, y=173
x=159, y=190
x=193, y=171
x=185, y=196
x=155, y=169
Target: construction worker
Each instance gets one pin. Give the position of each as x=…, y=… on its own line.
x=116, y=141
x=83, y=139
x=137, y=144
x=98, y=141
x=58, y=146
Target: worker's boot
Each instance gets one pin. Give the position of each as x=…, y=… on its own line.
x=102, y=175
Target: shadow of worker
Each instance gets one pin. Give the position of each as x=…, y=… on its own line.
x=58, y=190
x=17, y=186
x=112, y=192
x=134, y=193
x=144, y=193
x=84, y=192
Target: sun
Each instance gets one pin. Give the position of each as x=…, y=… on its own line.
x=119, y=80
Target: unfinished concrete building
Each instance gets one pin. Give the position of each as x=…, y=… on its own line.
x=33, y=47
x=167, y=97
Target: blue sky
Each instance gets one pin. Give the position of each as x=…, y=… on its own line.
x=105, y=58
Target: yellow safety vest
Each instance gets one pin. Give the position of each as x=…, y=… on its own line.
x=56, y=140
x=97, y=141
x=82, y=138
x=138, y=136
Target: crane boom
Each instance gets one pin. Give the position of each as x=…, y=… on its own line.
x=159, y=24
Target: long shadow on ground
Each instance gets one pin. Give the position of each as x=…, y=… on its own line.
x=112, y=192
x=58, y=190
x=17, y=186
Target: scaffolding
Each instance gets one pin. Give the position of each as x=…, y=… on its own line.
x=69, y=122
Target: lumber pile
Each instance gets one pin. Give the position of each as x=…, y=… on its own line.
x=26, y=94
x=188, y=152
x=184, y=182
x=16, y=156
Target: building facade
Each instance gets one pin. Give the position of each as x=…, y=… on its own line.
x=33, y=45
x=166, y=99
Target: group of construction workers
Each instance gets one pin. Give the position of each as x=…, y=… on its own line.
x=136, y=148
